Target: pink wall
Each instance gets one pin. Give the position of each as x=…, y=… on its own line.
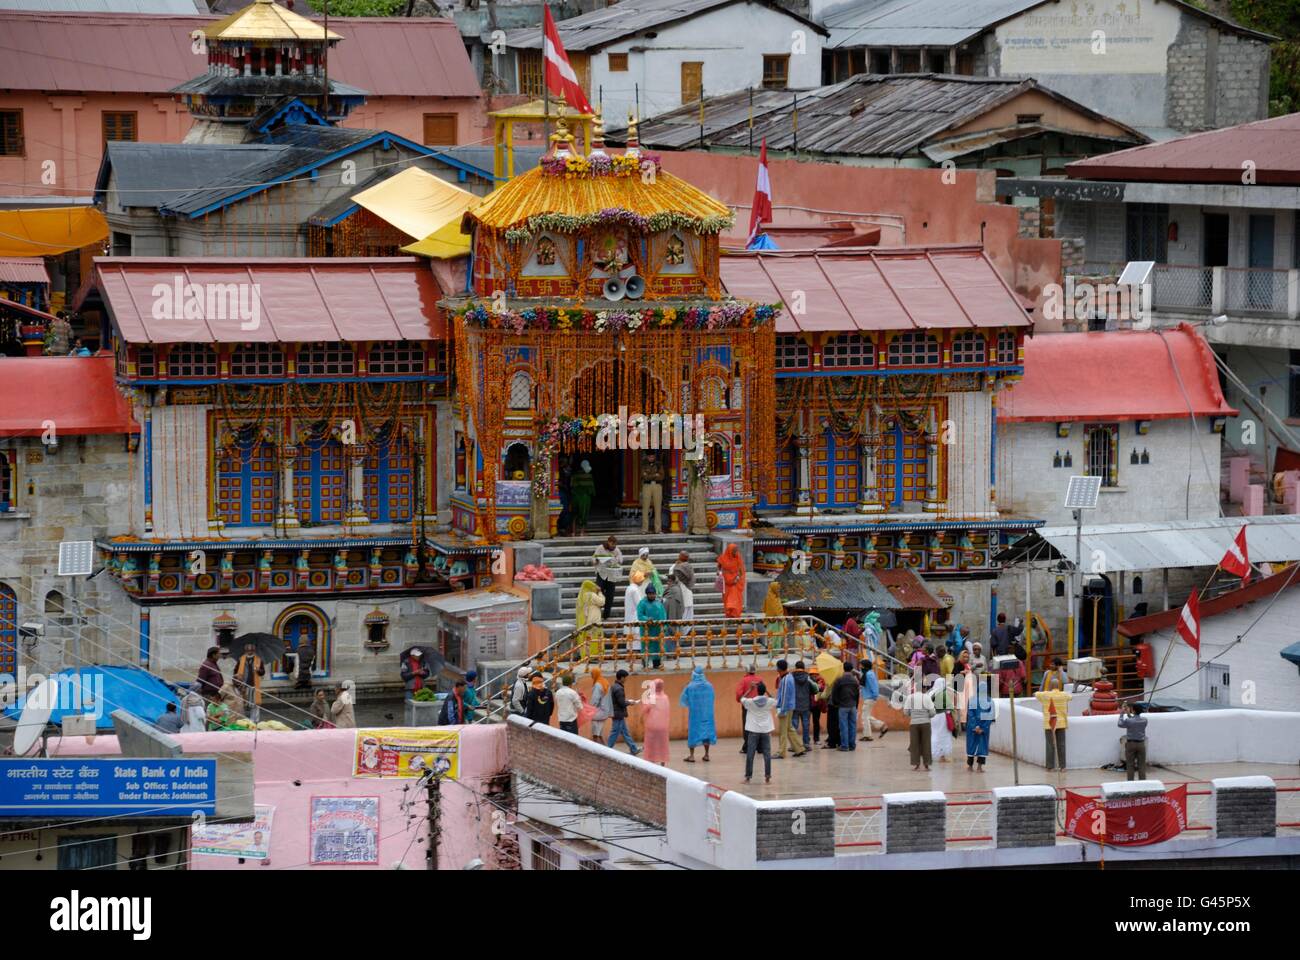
x=322, y=761
x=68, y=129
x=932, y=211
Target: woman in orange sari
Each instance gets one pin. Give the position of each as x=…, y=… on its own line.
x=732, y=568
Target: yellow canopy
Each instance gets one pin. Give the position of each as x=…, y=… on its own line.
x=443, y=244
x=46, y=232
x=416, y=202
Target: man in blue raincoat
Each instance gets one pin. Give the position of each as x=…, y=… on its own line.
x=697, y=698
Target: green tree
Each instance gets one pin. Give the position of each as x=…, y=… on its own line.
x=360, y=8
x=1281, y=18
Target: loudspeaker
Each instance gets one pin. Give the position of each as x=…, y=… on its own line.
x=635, y=287
x=614, y=289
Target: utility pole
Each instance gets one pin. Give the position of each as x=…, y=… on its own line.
x=435, y=819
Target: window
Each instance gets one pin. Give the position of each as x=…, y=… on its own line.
x=327, y=360
x=6, y=481
x=1101, y=452
x=440, y=129
x=909, y=61
x=591, y=864
x=88, y=852
x=692, y=81
x=1029, y=118
x=257, y=360
x=545, y=857
x=146, y=362
x=121, y=244
x=938, y=62
x=246, y=481
x=397, y=358
x=1146, y=231
x=776, y=71
x=848, y=350
x=521, y=391
x=389, y=481
x=1006, y=347
x=913, y=349
x=880, y=61
x=969, y=347
x=792, y=352
x=618, y=63
x=192, y=360
x=530, y=72
x=320, y=480
x=119, y=125
x=11, y=133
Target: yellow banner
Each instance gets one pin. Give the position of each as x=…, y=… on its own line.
x=407, y=752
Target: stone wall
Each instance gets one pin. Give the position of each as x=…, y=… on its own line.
x=78, y=491
x=1024, y=816
x=1244, y=807
x=597, y=777
x=915, y=822
x=796, y=831
x=1215, y=79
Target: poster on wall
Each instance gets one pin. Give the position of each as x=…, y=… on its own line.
x=407, y=752
x=344, y=830
x=251, y=841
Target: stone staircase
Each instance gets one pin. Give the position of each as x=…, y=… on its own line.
x=570, y=560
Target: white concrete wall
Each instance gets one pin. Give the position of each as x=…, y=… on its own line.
x=1180, y=483
x=730, y=42
x=969, y=454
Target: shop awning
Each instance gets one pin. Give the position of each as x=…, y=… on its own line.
x=77, y=393
x=444, y=244
x=908, y=589
x=417, y=203
x=835, y=590
x=298, y=300
x=44, y=233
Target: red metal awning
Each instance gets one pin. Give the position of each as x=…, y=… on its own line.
x=894, y=288
x=77, y=394
x=1232, y=600
x=297, y=300
x=908, y=589
x=23, y=270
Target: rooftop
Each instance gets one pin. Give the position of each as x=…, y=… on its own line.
x=77, y=393
x=265, y=20
x=1216, y=156
x=1116, y=375
x=882, y=288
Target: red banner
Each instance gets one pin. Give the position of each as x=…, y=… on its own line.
x=1127, y=821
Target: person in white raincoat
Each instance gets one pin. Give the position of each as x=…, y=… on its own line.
x=945, y=705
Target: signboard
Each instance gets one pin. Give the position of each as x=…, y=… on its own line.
x=1127, y=821
x=252, y=841
x=344, y=830
x=116, y=787
x=407, y=752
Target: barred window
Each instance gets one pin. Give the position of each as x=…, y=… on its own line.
x=439, y=356
x=969, y=347
x=848, y=350
x=915, y=348
x=146, y=362
x=327, y=360
x=192, y=360
x=792, y=352
x=521, y=390
x=545, y=857
x=397, y=357
x=257, y=360
x=1006, y=347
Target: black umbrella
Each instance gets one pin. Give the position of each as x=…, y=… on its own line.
x=268, y=646
x=430, y=656
x=887, y=619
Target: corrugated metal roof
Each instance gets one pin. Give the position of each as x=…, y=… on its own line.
x=1117, y=375
x=1216, y=156
x=914, y=23
x=888, y=288
x=300, y=300
x=139, y=53
x=153, y=174
x=23, y=270
x=1154, y=546
x=470, y=601
x=589, y=31
x=866, y=115
x=836, y=590
x=77, y=393
x=907, y=587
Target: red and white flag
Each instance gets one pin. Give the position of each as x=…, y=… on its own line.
x=560, y=78
x=1237, y=559
x=1189, y=622
x=762, y=209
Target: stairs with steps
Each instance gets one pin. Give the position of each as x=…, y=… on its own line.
x=570, y=560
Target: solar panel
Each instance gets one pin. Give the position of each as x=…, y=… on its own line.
x=76, y=558
x=1082, y=493
x=1137, y=272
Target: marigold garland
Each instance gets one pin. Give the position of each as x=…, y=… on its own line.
x=728, y=315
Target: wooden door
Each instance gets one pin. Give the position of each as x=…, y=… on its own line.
x=692, y=81
x=440, y=130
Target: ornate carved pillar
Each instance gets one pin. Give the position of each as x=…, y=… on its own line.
x=286, y=514
x=932, y=503
x=540, y=501
x=803, y=496
x=869, y=499
x=356, y=513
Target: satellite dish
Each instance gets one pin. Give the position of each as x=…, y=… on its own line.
x=634, y=286
x=36, y=713
x=614, y=289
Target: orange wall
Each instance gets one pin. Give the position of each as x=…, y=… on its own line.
x=932, y=211
x=68, y=130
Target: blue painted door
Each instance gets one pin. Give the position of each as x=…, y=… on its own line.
x=903, y=469
x=298, y=629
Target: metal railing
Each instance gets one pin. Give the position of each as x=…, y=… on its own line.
x=1182, y=288
x=1256, y=291
x=1191, y=288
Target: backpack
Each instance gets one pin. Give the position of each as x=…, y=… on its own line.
x=444, y=715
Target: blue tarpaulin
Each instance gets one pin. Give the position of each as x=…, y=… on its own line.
x=101, y=690
x=1292, y=653
x=762, y=242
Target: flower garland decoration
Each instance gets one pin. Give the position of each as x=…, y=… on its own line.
x=616, y=217
x=574, y=166
x=727, y=315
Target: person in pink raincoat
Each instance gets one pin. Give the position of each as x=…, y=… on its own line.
x=655, y=713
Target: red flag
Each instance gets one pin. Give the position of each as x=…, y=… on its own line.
x=1189, y=623
x=1237, y=560
x=560, y=78
x=762, y=210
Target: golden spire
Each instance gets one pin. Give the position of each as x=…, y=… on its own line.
x=562, y=140
x=633, y=144
x=597, y=133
